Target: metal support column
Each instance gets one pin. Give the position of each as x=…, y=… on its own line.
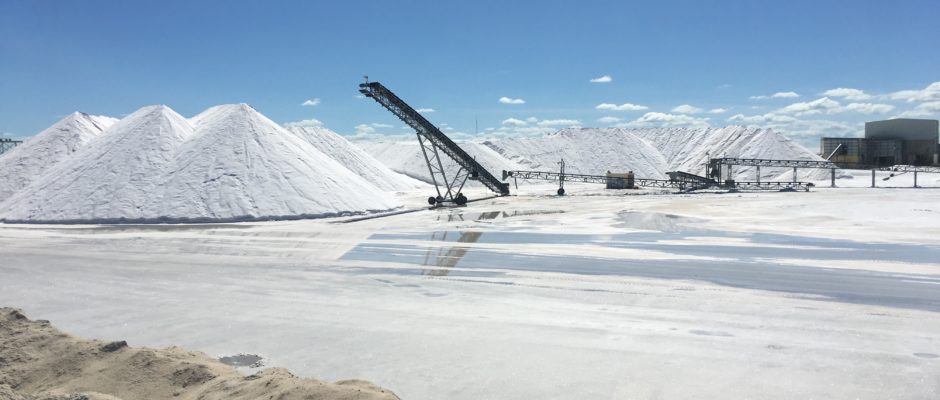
x=794, y=174
x=833, y=173
x=915, y=178
x=872, y=178
x=758, y=174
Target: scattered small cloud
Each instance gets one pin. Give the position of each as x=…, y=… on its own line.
x=848, y=94
x=724, y=86
x=609, y=120
x=312, y=122
x=514, y=122
x=363, y=129
x=930, y=93
x=818, y=106
x=559, y=122
x=311, y=102
x=378, y=125
x=778, y=95
x=507, y=100
x=602, y=79
x=869, y=108
x=718, y=111
x=425, y=110
x=931, y=108
x=665, y=119
x=621, y=107
x=686, y=109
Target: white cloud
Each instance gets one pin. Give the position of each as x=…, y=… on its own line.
x=363, y=129
x=848, y=94
x=602, y=79
x=507, y=100
x=869, y=108
x=664, y=119
x=686, y=109
x=311, y=102
x=532, y=120
x=609, y=120
x=378, y=125
x=778, y=95
x=718, y=111
x=931, y=108
x=930, y=93
x=621, y=107
x=514, y=122
x=761, y=118
x=817, y=106
x=313, y=122
x=559, y=122
x=425, y=110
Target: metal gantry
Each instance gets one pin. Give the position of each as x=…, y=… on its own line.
x=681, y=180
x=434, y=142
x=715, y=166
x=7, y=144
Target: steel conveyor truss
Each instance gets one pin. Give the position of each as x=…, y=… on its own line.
x=434, y=142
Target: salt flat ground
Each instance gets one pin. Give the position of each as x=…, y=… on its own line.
x=833, y=293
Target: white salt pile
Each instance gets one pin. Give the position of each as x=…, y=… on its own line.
x=355, y=159
x=586, y=151
x=25, y=163
x=649, y=152
x=230, y=163
x=405, y=157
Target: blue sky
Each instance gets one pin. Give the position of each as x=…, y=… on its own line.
x=724, y=59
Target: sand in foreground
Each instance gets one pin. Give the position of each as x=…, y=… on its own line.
x=37, y=361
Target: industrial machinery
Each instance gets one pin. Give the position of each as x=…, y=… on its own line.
x=433, y=142
x=7, y=144
x=717, y=166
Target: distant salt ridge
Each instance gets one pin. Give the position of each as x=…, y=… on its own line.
x=648, y=152
x=405, y=157
x=26, y=162
x=652, y=152
x=229, y=163
x=355, y=159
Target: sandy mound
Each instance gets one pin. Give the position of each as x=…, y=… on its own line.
x=38, y=361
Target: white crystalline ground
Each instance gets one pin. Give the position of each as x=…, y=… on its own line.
x=283, y=290
x=25, y=163
x=405, y=157
x=231, y=164
x=355, y=159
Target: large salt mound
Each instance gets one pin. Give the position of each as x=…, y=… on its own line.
x=26, y=162
x=355, y=159
x=240, y=165
x=586, y=151
x=115, y=177
x=405, y=157
x=651, y=152
x=154, y=165
x=688, y=149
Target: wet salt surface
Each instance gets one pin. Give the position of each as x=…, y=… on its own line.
x=743, y=266
x=243, y=360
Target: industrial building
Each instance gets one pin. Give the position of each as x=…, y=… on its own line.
x=900, y=141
